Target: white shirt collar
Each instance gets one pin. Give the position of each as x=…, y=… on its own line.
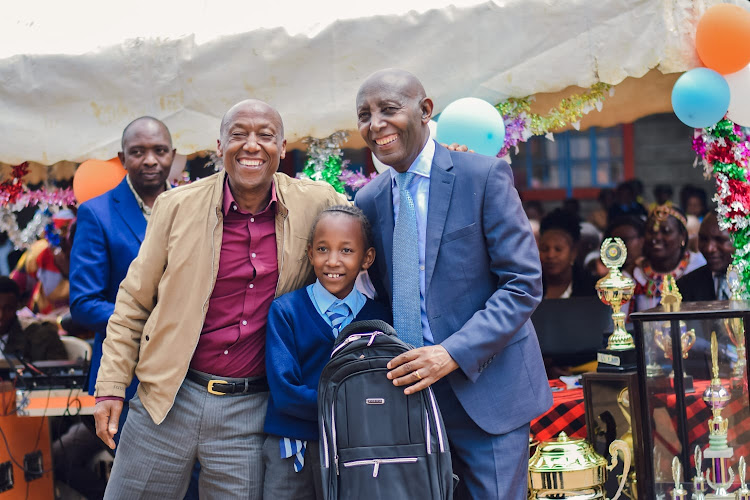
x=422, y=164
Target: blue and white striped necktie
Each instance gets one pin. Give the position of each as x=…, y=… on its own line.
x=337, y=313
x=289, y=447
x=407, y=309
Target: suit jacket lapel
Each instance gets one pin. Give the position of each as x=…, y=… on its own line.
x=126, y=207
x=384, y=207
x=441, y=187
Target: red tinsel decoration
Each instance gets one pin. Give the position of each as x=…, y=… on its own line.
x=12, y=188
x=721, y=154
x=738, y=200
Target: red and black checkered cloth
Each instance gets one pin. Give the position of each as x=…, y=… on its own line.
x=567, y=414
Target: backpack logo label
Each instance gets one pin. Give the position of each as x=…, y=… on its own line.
x=375, y=401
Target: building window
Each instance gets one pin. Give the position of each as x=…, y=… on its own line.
x=574, y=161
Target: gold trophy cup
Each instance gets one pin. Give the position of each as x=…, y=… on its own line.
x=571, y=469
x=615, y=290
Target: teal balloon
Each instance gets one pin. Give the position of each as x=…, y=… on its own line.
x=700, y=97
x=473, y=123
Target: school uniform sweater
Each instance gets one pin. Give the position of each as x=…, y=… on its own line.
x=298, y=345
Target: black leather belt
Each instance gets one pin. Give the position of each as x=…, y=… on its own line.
x=221, y=386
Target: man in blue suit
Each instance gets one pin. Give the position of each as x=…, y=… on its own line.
x=110, y=230
x=478, y=281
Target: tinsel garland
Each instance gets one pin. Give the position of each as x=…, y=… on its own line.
x=521, y=123
x=724, y=151
x=14, y=196
x=355, y=179
x=324, y=162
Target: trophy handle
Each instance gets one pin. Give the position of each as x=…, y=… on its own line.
x=660, y=339
x=621, y=446
x=688, y=342
x=730, y=331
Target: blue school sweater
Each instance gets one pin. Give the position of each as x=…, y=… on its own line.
x=298, y=345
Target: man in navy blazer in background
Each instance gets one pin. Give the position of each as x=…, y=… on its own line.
x=110, y=229
x=480, y=282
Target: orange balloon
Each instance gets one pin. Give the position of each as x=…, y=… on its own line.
x=95, y=177
x=723, y=38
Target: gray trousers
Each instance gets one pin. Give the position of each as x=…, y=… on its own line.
x=225, y=434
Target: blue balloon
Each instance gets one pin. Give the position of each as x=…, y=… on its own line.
x=700, y=97
x=474, y=123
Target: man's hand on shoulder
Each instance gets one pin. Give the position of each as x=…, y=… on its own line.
x=107, y=418
x=420, y=368
x=457, y=147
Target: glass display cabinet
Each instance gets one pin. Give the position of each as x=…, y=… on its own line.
x=693, y=397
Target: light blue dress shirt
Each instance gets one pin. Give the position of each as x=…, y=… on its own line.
x=420, y=193
x=322, y=299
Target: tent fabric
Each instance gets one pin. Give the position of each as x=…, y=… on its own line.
x=70, y=81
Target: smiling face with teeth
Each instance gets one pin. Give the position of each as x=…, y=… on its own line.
x=392, y=116
x=252, y=144
x=338, y=252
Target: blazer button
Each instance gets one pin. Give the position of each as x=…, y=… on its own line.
x=147, y=337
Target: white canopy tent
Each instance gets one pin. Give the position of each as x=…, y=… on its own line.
x=74, y=73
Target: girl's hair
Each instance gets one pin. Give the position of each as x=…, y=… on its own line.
x=562, y=221
x=351, y=211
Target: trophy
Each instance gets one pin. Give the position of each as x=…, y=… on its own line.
x=663, y=340
x=717, y=397
x=623, y=401
x=615, y=290
x=699, y=482
x=735, y=329
x=570, y=468
x=743, y=493
x=678, y=493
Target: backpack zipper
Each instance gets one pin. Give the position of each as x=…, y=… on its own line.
x=354, y=337
x=325, y=442
x=427, y=434
x=437, y=420
x=333, y=430
x=375, y=462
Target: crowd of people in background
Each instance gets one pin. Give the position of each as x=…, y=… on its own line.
x=682, y=239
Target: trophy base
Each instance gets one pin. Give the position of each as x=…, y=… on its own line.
x=611, y=361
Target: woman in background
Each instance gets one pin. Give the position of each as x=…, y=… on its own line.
x=560, y=232
x=664, y=252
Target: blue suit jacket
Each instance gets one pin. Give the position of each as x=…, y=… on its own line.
x=109, y=232
x=483, y=281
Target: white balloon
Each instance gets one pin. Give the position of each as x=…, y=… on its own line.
x=739, y=100
x=382, y=167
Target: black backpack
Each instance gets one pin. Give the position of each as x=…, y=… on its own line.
x=376, y=442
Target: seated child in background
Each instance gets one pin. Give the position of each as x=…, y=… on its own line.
x=302, y=327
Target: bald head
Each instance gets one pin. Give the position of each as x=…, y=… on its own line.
x=145, y=123
x=251, y=106
x=392, y=114
x=393, y=80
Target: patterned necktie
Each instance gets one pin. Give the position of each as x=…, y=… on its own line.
x=407, y=312
x=337, y=313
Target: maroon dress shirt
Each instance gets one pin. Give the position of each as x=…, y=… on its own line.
x=233, y=340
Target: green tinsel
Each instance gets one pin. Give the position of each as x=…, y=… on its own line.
x=731, y=170
x=330, y=172
x=324, y=161
x=724, y=128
